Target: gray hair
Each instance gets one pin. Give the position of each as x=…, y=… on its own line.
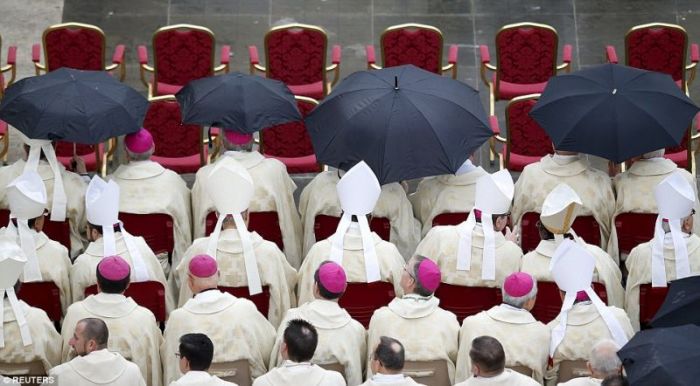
x=145, y=156
x=654, y=154
x=230, y=146
x=603, y=358
x=519, y=302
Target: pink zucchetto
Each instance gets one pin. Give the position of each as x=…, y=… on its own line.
x=203, y=266
x=114, y=268
x=237, y=138
x=518, y=284
x=332, y=277
x=429, y=275
x=139, y=142
x=582, y=296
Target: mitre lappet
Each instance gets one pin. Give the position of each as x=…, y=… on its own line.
x=36, y=147
x=12, y=261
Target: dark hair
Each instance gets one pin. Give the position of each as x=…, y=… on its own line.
x=98, y=228
x=487, y=353
x=95, y=329
x=301, y=339
x=353, y=218
x=420, y=290
x=545, y=234
x=111, y=286
x=198, y=349
x=325, y=293
x=494, y=217
x=42, y=156
x=615, y=380
x=30, y=222
x=390, y=353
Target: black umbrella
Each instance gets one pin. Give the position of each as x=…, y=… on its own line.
x=663, y=356
x=240, y=102
x=404, y=122
x=86, y=107
x=682, y=304
x=613, y=111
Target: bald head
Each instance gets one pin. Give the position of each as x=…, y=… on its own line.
x=90, y=334
x=603, y=360
x=487, y=356
x=389, y=356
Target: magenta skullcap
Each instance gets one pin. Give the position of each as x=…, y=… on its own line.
x=114, y=268
x=582, y=296
x=518, y=284
x=429, y=275
x=139, y=142
x=332, y=277
x=203, y=266
x=237, y=138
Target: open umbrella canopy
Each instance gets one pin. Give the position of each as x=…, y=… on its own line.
x=238, y=102
x=79, y=106
x=682, y=304
x=663, y=356
x=613, y=111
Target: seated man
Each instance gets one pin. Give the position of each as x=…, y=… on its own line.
x=240, y=330
x=135, y=333
x=196, y=352
x=525, y=339
x=358, y=192
x=387, y=365
x=28, y=334
x=341, y=339
x=602, y=363
x=297, y=349
x=146, y=188
x=427, y=331
x=446, y=194
x=274, y=191
x=245, y=259
x=475, y=253
x=488, y=366
x=95, y=364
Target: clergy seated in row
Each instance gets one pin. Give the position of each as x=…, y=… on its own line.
x=451, y=193
x=28, y=336
x=427, y=332
x=299, y=342
x=559, y=210
x=387, y=362
x=146, y=187
x=364, y=256
x=524, y=339
x=584, y=318
x=66, y=190
x=320, y=197
x=244, y=258
x=475, y=253
x=634, y=188
x=47, y=260
x=602, y=363
x=108, y=238
x=94, y=363
x=274, y=191
x=488, y=365
x=240, y=331
x=592, y=185
x=196, y=352
x=674, y=252
x=134, y=331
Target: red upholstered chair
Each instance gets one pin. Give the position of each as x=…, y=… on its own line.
x=290, y=142
x=450, y=218
x=93, y=155
x=526, y=141
x=325, y=226
x=155, y=228
x=266, y=224
x=360, y=300
x=416, y=44
x=44, y=295
x=12, y=69
x=548, y=304
x=147, y=294
x=55, y=230
x=634, y=229
x=178, y=147
x=261, y=300
x=465, y=301
x=650, y=300
x=585, y=227
x=181, y=53
x=296, y=55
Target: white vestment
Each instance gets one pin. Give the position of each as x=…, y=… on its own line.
x=507, y=378
x=583, y=381
x=97, y=368
x=46, y=342
x=391, y=380
x=300, y=374
x=200, y=378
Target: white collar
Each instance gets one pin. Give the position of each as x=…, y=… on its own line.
x=562, y=159
x=387, y=378
x=296, y=366
x=509, y=307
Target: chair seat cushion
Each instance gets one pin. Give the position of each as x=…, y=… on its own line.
x=517, y=162
x=189, y=164
x=507, y=90
x=306, y=164
x=3, y=128
x=312, y=90
x=679, y=158
x=89, y=158
x=168, y=89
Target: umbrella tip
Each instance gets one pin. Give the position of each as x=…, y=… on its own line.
x=396, y=82
x=614, y=91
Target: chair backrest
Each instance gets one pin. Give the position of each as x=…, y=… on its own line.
x=658, y=47
x=429, y=373
x=289, y=139
x=335, y=366
x=569, y=370
x=296, y=54
x=237, y=372
x=524, y=370
x=182, y=53
x=325, y=226
x=634, y=229
x=682, y=147
x=261, y=300
x=33, y=369
x=58, y=231
x=548, y=304
x=450, y=218
x=267, y=225
x=524, y=135
x=67, y=149
x=465, y=301
x=171, y=137
x=74, y=45
x=155, y=228
x=147, y=294
x=585, y=227
x=416, y=44
x=360, y=300
x=650, y=300
x=44, y=295
x=526, y=53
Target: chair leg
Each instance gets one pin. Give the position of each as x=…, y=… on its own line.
x=492, y=111
x=5, y=148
